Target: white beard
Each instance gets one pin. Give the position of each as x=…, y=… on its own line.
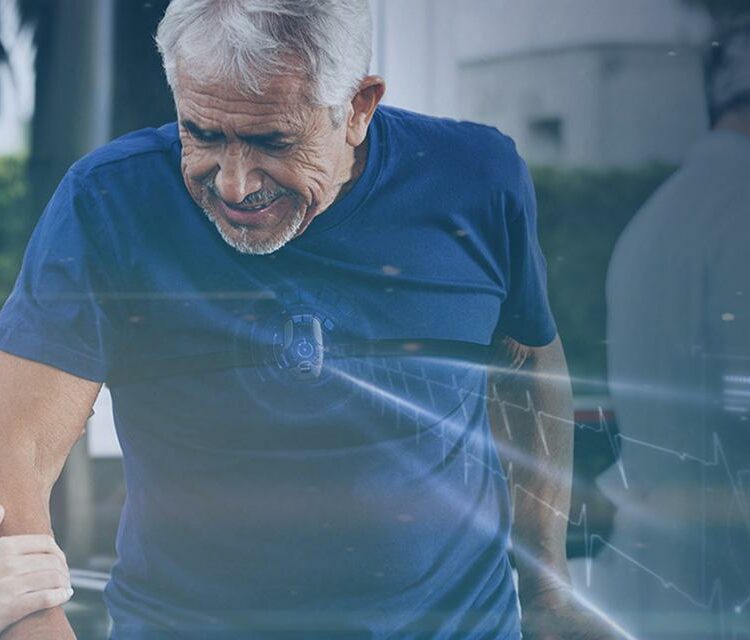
x=240, y=238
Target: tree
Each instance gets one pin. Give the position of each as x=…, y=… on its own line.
x=18, y=21
x=68, y=94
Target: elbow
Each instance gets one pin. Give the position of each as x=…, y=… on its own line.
x=30, y=466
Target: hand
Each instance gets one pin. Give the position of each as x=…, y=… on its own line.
x=33, y=576
x=555, y=615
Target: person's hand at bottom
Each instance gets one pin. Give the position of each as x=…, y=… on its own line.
x=555, y=615
x=33, y=576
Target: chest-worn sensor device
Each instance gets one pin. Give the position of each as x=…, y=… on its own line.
x=301, y=350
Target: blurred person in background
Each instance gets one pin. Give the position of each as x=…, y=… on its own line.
x=678, y=295
x=33, y=576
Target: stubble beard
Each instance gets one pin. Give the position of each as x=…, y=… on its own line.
x=241, y=238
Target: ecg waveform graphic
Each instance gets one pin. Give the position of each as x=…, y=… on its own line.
x=450, y=430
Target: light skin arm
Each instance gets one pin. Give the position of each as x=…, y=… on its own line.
x=43, y=412
x=539, y=443
x=33, y=576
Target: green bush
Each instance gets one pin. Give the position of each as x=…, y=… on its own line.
x=13, y=220
x=581, y=214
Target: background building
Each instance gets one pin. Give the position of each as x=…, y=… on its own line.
x=594, y=83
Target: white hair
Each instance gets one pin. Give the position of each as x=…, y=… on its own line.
x=242, y=43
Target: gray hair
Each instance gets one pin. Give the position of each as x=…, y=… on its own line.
x=243, y=43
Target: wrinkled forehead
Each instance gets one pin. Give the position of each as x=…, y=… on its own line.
x=285, y=98
x=288, y=78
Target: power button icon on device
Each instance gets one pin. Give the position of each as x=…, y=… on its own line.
x=302, y=352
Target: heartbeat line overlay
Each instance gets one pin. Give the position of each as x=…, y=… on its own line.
x=451, y=431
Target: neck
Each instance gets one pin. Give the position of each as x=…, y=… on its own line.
x=355, y=168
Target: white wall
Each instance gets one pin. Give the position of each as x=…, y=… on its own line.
x=505, y=26
x=426, y=40
x=618, y=106
x=427, y=45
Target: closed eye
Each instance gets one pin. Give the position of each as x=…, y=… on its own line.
x=201, y=135
x=278, y=146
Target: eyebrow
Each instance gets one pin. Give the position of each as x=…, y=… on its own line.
x=261, y=138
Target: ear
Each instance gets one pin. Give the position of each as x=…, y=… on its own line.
x=364, y=103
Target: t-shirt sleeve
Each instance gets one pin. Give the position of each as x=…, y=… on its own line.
x=57, y=312
x=525, y=314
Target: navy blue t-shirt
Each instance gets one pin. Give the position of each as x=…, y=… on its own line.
x=363, y=502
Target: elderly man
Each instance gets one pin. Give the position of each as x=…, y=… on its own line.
x=286, y=475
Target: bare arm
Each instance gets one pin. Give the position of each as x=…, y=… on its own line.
x=531, y=412
x=539, y=443
x=42, y=414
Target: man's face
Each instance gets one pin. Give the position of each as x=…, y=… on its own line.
x=261, y=168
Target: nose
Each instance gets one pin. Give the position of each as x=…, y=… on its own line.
x=238, y=176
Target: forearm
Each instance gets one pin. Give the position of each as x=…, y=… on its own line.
x=45, y=625
x=539, y=442
x=42, y=414
x=24, y=491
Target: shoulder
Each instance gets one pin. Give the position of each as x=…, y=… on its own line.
x=139, y=152
x=106, y=194
x=479, y=152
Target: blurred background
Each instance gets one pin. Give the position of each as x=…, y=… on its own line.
x=604, y=98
